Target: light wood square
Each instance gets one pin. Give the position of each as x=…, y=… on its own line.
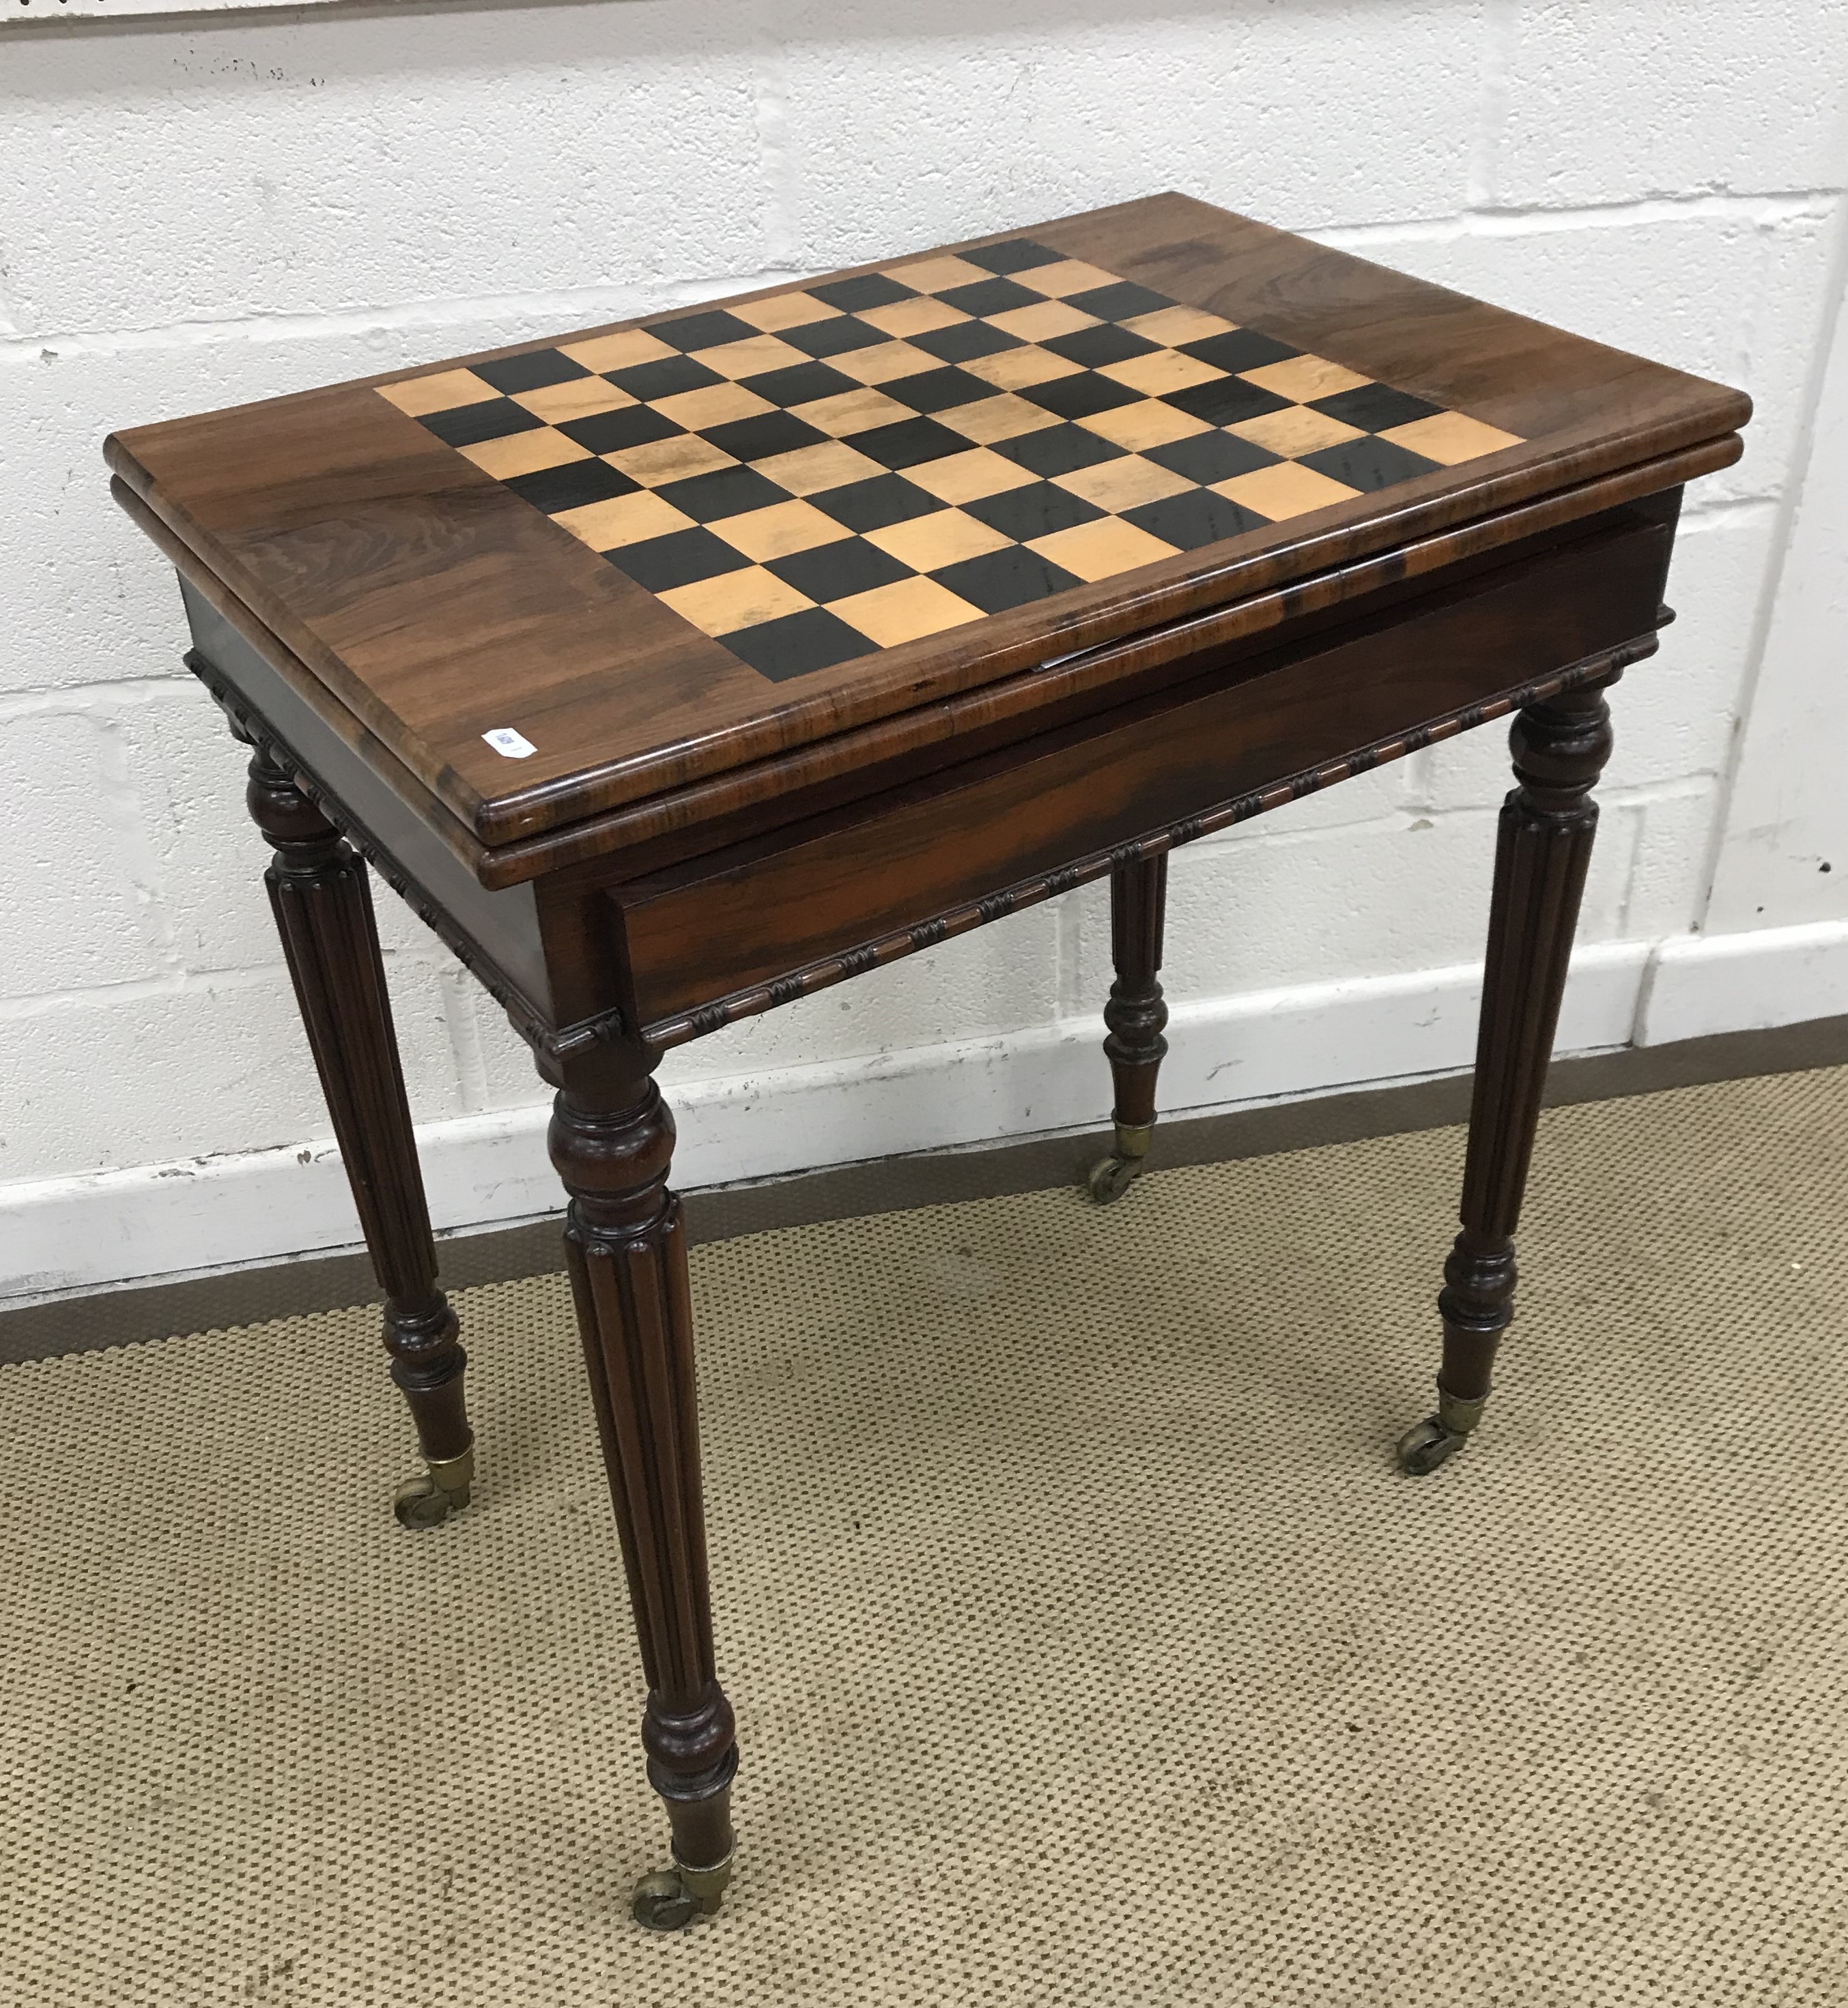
x=966, y=477
x=1295, y=429
x=750, y=358
x=904, y=317
x=524, y=453
x=715, y=406
x=1042, y=322
x=1102, y=548
x=852, y=411
x=1118, y=485
x=1156, y=374
x=812, y=469
x=623, y=519
x=1174, y=325
x=784, y=527
x=621, y=351
x=881, y=364
x=1448, y=438
x=556, y=403
x=1070, y=275
x=904, y=610
x=929, y=542
x=1305, y=378
x=1016, y=369
x=1287, y=489
x=443, y=392
x=991, y=418
x=936, y=275
x=662, y=461
x=782, y=310
x=739, y=599
x=1140, y=426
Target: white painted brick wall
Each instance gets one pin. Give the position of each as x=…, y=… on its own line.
x=1633, y=98
x=205, y=211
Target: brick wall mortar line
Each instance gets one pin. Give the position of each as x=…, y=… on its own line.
x=569, y=306
x=1789, y=500
x=776, y=163
x=454, y=984
x=1501, y=31
x=586, y=306
x=180, y=980
x=1767, y=206
x=95, y=700
x=1740, y=510
x=119, y=806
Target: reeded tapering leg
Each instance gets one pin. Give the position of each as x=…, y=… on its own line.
x=322, y=904
x=1544, y=845
x=1135, y=1015
x=612, y=1140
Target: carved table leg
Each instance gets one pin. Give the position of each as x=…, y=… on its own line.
x=612, y=1140
x=1135, y=1016
x=323, y=904
x=1544, y=845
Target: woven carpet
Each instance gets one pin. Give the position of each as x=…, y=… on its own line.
x=1086, y=1646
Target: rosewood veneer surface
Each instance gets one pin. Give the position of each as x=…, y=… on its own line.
x=419, y=601
x=674, y=671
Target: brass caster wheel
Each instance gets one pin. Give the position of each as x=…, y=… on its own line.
x=1438, y=1438
x=439, y=1490
x=670, y=1900
x=1111, y=1177
x=663, y=1903
x=1428, y=1444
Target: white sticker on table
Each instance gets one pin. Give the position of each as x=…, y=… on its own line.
x=516, y=745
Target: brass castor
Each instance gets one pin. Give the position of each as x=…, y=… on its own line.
x=1426, y=1445
x=1111, y=1177
x=670, y=1900
x=1438, y=1438
x=441, y=1489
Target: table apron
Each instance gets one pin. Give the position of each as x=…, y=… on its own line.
x=495, y=934
x=742, y=930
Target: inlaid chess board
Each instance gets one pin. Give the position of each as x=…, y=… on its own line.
x=812, y=477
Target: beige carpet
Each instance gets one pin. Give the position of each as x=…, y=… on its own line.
x=1086, y=1644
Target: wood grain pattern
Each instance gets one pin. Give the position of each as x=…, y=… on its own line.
x=494, y=934
x=646, y=835
x=938, y=440
x=1082, y=871
x=649, y=834
x=323, y=905
x=734, y=918
x=693, y=843
x=1543, y=851
x=612, y=1141
x=433, y=605
x=1135, y=1015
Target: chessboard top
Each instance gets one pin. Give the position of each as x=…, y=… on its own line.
x=586, y=570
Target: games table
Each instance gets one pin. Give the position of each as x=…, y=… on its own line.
x=676, y=670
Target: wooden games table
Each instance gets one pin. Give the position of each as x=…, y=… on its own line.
x=676, y=670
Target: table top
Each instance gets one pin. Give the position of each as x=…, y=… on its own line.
x=584, y=571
